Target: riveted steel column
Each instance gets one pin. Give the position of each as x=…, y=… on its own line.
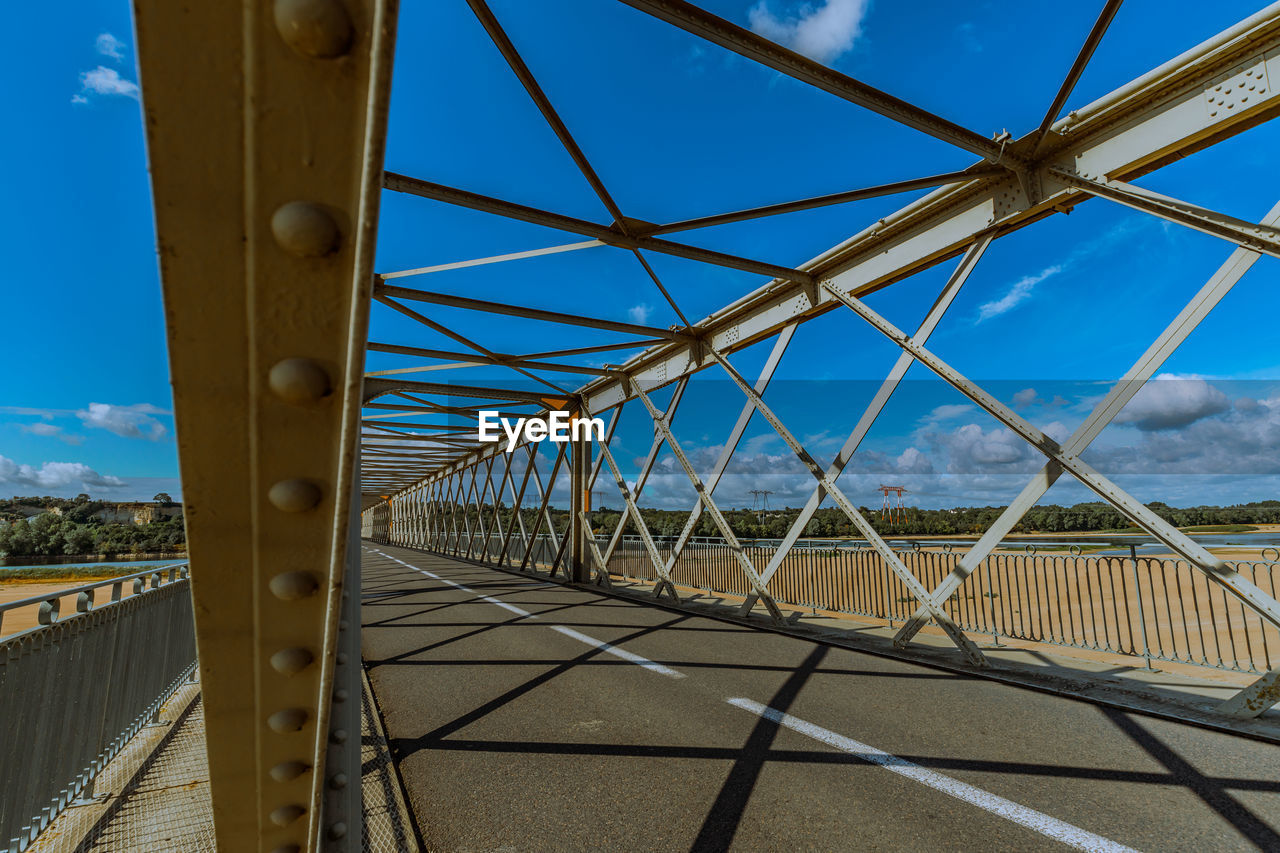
x=579, y=505
x=265, y=125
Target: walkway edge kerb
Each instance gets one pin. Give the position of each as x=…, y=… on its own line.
x=1096, y=692
x=409, y=816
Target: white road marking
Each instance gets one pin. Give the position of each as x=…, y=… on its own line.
x=1030, y=818
x=617, y=652
x=607, y=648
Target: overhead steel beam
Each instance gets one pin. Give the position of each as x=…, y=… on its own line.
x=462, y=339
x=469, y=304
x=1153, y=120
x=498, y=359
x=265, y=132
x=377, y=387
x=1159, y=117
x=742, y=41
x=605, y=234
x=1259, y=237
x=1091, y=43
x=562, y=353
x=970, y=174
x=492, y=259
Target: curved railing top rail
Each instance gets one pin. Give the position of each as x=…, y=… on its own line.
x=50, y=602
x=74, y=590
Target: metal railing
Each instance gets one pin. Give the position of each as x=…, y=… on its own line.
x=1155, y=608
x=74, y=689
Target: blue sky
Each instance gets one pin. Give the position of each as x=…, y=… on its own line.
x=678, y=128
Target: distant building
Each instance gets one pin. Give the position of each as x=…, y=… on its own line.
x=137, y=513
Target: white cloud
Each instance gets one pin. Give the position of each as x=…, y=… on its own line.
x=109, y=45
x=639, y=314
x=822, y=32
x=1016, y=295
x=104, y=81
x=52, y=476
x=1025, y=397
x=49, y=430
x=129, y=421
x=1172, y=402
x=47, y=414
x=946, y=412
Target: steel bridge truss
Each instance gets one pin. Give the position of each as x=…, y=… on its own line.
x=440, y=488
x=265, y=135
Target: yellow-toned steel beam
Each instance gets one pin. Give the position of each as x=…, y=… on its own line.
x=265, y=126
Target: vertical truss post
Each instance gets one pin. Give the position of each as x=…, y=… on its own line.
x=579, y=526
x=265, y=145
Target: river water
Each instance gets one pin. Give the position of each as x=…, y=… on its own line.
x=125, y=567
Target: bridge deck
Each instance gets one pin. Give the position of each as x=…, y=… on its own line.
x=516, y=727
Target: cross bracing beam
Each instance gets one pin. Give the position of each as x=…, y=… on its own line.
x=702, y=23
x=462, y=339
x=526, y=313
x=1156, y=119
x=377, y=387
x=1104, y=412
x=1262, y=237
x=1077, y=69
x=496, y=359
x=1130, y=507
x=603, y=233
x=970, y=174
x=1169, y=113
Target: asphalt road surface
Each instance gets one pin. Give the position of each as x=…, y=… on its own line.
x=531, y=716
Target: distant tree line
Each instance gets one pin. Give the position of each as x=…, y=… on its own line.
x=77, y=531
x=831, y=522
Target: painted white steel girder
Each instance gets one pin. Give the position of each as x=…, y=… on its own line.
x=1216, y=90
x=1167, y=114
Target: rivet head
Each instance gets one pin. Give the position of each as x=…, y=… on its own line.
x=338, y=830
x=339, y=736
x=299, y=380
x=339, y=780
x=297, y=495
x=286, y=815
x=340, y=695
x=304, y=229
x=291, y=586
x=317, y=29
x=287, y=771
x=291, y=661
x=288, y=720
x=287, y=848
